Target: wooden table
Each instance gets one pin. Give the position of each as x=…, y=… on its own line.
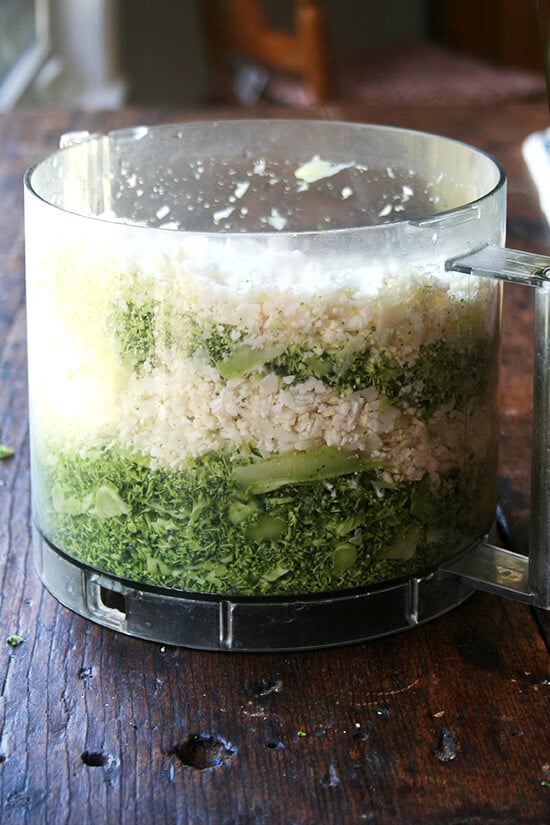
x=445, y=724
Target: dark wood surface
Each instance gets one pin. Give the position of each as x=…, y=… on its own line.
x=445, y=724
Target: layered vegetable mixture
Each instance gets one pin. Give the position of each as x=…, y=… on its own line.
x=235, y=421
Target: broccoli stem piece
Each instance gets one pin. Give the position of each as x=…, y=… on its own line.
x=266, y=528
x=244, y=359
x=298, y=468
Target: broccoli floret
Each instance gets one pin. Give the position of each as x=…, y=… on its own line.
x=217, y=340
x=134, y=329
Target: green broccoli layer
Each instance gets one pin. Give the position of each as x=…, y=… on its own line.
x=297, y=523
x=442, y=372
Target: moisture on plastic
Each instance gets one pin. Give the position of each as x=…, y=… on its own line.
x=172, y=178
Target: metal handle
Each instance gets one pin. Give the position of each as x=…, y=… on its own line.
x=525, y=578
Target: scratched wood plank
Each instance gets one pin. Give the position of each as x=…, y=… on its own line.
x=425, y=727
x=446, y=723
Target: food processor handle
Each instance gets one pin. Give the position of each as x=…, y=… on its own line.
x=525, y=578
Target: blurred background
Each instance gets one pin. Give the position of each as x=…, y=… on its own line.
x=106, y=53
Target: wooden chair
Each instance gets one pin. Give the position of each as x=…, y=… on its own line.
x=250, y=58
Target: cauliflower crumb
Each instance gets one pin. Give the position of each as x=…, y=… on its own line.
x=316, y=169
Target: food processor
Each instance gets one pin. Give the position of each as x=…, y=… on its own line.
x=263, y=372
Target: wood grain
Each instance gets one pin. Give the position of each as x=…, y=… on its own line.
x=447, y=723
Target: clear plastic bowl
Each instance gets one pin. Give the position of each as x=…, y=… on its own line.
x=262, y=410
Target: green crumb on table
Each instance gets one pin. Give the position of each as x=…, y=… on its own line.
x=14, y=640
x=301, y=733
x=5, y=452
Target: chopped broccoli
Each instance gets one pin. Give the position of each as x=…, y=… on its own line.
x=134, y=329
x=218, y=341
x=218, y=526
x=442, y=371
